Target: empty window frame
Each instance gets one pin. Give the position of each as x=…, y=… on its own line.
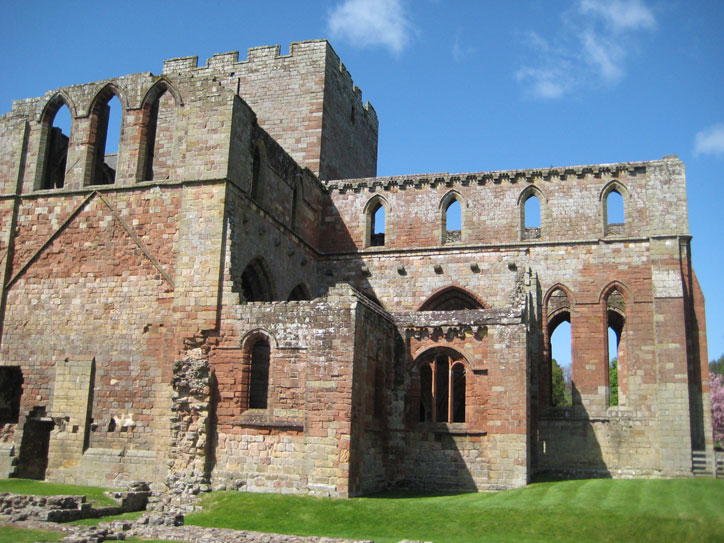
x=451, y=206
x=375, y=222
x=614, y=199
x=531, y=212
x=55, y=140
x=105, y=134
x=259, y=375
x=157, y=134
x=559, y=349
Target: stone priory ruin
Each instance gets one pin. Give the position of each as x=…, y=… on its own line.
x=235, y=300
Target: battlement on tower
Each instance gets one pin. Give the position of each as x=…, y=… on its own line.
x=291, y=94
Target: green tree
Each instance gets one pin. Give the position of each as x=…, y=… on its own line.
x=559, y=393
x=717, y=366
x=613, y=381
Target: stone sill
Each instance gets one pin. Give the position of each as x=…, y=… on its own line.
x=451, y=428
x=578, y=413
x=260, y=418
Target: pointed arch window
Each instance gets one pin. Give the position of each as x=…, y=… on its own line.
x=376, y=223
x=256, y=283
x=452, y=217
x=105, y=134
x=613, y=200
x=56, y=127
x=157, y=133
x=531, y=212
x=559, y=352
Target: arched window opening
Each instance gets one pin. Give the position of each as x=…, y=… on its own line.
x=377, y=238
x=158, y=135
x=615, y=341
x=299, y=293
x=614, y=213
x=557, y=373
x=259, y=381
x=531, y=217
x=106, y=123
x=56, y=150
x=256, y=285
x=256, y=174
x=453, y=222
x=442, y=388
x=451, y=299
x=561, y=361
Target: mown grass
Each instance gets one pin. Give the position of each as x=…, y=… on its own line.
x=41, y=488
x=600, y=510
x=23, y=535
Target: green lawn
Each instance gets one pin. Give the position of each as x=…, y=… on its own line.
x=10, y=534
x=41, y=488
x=679, y=510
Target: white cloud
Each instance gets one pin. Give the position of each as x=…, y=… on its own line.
x=546, y=84
x=621, y=14
x=460, y=50
x=593, y=47
x=604, y=55
x=369, y=23
x=710, y=141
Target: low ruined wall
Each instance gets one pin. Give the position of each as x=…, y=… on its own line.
x=270, y=461
x=17, y=507
x=446, y=461
x=620, y=445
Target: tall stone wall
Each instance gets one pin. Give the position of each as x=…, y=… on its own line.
x=304, y=100
x=575, y=250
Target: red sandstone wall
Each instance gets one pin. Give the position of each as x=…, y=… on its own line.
x=92, y=292
x=301, y=442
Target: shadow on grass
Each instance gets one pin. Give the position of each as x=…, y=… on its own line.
x=556, y=477
x=404, y=494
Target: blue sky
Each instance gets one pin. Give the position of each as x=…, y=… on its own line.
x=458, y=86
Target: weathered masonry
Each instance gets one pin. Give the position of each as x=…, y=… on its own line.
x=234, y=300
